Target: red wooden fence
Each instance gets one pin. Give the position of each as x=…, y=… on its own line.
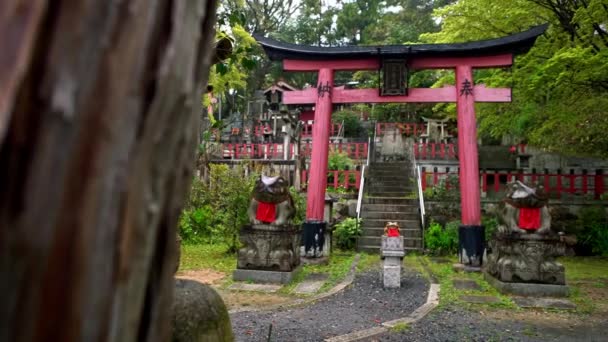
x=354, y=150
x=307, y=129
x=435, y=151
x=275, y=151
x=255, y=151
x=404, y=128
x=555, y=184
x=348, y=179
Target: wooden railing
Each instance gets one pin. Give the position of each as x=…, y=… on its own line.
x=255, y=151
x=435, y=151
x=555, y=184
x=347, y=179
x=307, y=129
x=354, y=150
x=275, y=151
x=413, y=129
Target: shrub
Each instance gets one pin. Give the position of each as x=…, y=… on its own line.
x=352, y=123
x=299, y=201
x=339, y=161
x=593, y=230
x=490, y=224
x=216, y=211
x=346, y=233
x=445, y=190
x=440, y=240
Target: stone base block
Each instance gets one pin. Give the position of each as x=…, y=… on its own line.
x=259, y=276
x=391, y=261
x=527, y=289
x=391, y=276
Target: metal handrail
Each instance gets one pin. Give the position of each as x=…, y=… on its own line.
x=420, y=197
x=362, y=181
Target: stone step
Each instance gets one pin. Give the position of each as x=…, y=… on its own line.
x=389, y=188
x=388, y=215
x=376, y=240
x=402, y=208
x=380, y=223
x=389, y=200
x=388, y=193
x=407, y=233
x=390, y=165
x=387, y=182
x=399, y=174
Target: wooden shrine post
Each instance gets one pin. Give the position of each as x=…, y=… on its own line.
x=461, y=58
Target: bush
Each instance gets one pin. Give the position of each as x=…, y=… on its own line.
x=440, y=240
x=346, y=233
x=299, y=201
x=352, y=123
x=339, y=161
x=490, y=224
x=445, y=190
x=593, y=230
x=215, y=212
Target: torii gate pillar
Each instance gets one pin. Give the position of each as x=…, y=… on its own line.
x=314, y=227
x=317, y=184
x=471, y=232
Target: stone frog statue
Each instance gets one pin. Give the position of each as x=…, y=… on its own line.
x=271, y=202
x=524, y=210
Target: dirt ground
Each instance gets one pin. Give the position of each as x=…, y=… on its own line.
x=234, y=299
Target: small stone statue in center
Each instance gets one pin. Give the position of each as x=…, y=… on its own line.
x=392, y=255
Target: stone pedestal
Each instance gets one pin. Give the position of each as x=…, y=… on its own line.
x=268, y=248
x=392, y=255
x=526, y=260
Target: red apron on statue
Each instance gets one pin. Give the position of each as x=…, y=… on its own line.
x=529, y=218
x=267, y=212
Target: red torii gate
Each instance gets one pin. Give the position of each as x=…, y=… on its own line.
x=462, y=57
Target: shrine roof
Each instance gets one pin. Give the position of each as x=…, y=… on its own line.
x=516, y=44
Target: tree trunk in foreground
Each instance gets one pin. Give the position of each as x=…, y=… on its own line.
x=99, y=103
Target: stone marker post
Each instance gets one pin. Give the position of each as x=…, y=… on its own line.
x=392, y=254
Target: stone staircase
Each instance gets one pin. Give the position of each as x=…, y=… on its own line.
x=387, y=185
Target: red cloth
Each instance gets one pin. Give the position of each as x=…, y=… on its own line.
x=529, y=218
x=392, y=232
x=267, y=212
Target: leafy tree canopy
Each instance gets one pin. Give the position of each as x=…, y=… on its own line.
x=560, y=87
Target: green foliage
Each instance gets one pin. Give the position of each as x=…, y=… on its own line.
x=560, y=87
x=490, y=223
x=214, y=212
x=300, y=203
x=339, y=161
x=446, y=190
x=593, y=230
x=346, y=233
x=351, y=120
x=440, y=240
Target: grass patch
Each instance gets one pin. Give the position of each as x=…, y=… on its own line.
x=448, y=295
x=585, y=268
x=585, y=275
x=336, y=269
x=367, y=261
x=400, y=327
x=203, y=256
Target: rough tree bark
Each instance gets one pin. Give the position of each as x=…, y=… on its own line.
x=98, y=109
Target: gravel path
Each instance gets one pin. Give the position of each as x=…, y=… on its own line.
x=459, y=324
x=364, y=304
